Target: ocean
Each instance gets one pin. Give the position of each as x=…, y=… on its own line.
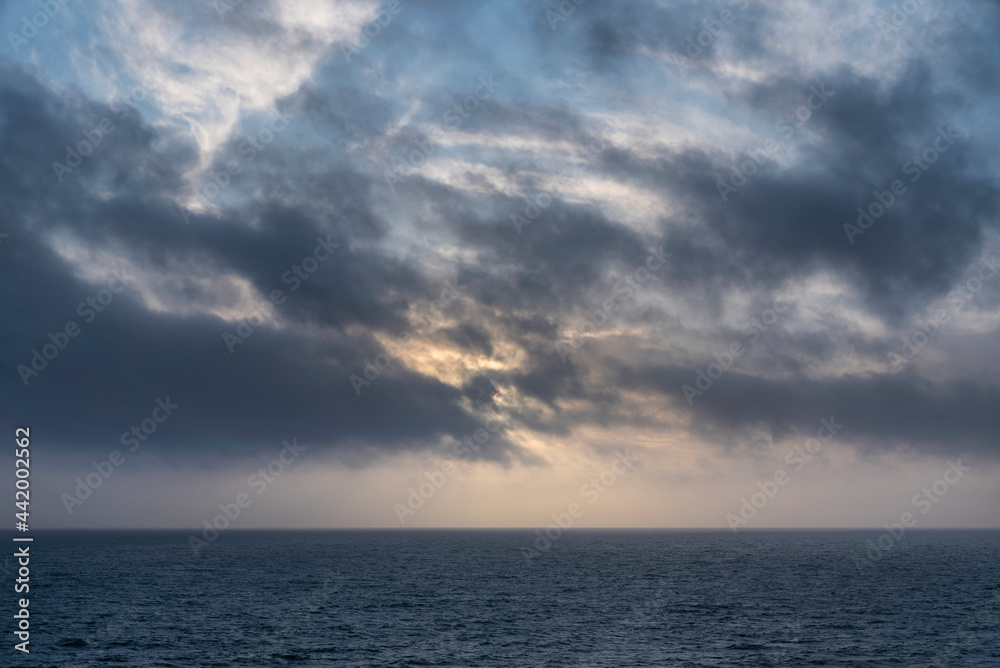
x=511, y=598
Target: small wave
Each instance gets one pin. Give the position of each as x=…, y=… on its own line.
x=74, y=642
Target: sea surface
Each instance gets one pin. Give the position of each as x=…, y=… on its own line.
x=473, y=598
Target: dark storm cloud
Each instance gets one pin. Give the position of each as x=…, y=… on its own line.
x=783, y=223
x=279, y=384
x=878, y=411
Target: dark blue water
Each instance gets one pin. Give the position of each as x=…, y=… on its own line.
x=471, y=598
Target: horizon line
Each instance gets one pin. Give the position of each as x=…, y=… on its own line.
x=513, y=528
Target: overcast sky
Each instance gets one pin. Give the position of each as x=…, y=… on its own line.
x=695, y=233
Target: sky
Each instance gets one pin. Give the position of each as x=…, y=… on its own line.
x=429, y=263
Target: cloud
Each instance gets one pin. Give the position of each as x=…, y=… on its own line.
x=626, y=149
